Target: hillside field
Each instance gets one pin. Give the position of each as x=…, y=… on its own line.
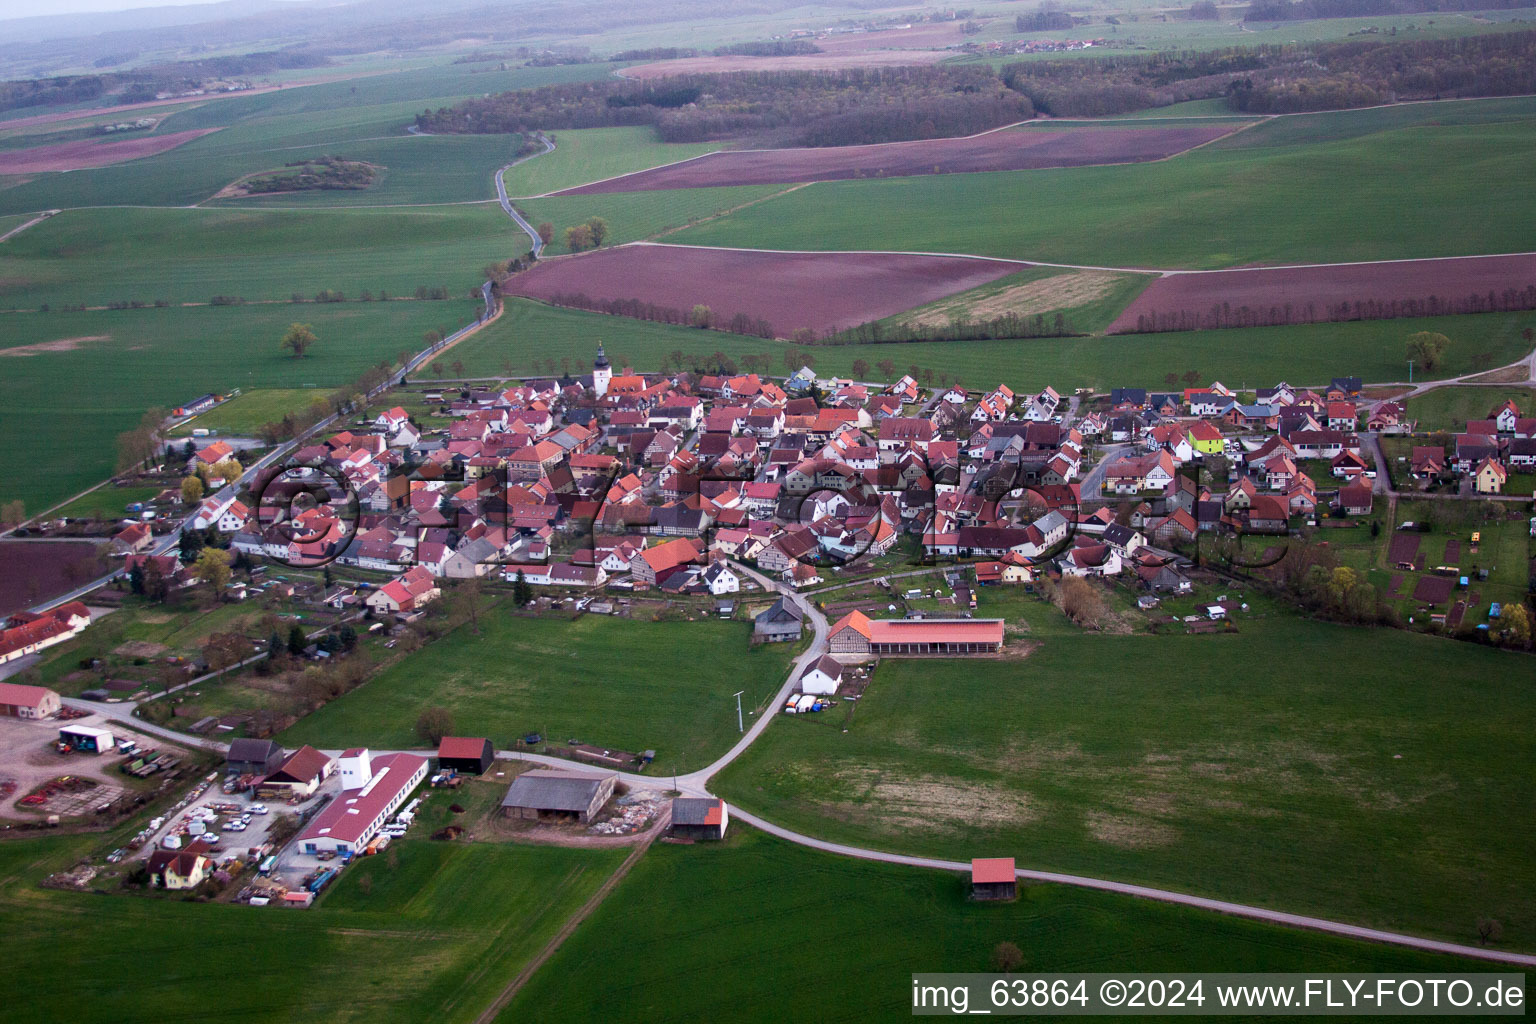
x=90, y=376
x=454, y=922
x=754, y=911
x=592, y=154
x=361, y=118
x=530, y=333
x=97, y=257
x=1241, y=201
x=627, y=685
x=1234, y=765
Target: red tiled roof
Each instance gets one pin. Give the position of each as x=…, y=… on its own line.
x=461, y=747
x=990, y=870
x=21, y=695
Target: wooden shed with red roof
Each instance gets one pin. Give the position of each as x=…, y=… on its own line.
x=993, y=878
x=465, y=755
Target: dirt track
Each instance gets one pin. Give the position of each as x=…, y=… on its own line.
x=821, y=291
x=1009, y=149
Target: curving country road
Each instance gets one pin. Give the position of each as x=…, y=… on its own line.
x=506, y=203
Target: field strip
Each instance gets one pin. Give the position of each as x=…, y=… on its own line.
x=664, y=232
x=558, y=939
x=18, y=229
x=1160, y=271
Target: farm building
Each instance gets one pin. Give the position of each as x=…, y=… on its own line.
x=465, y=755
x=697, y=817
x=299, y=775
x=19, y=701
x=253, y=757
x=30, y=632
x=373, y=789
x=200, y=404
x=557, y=795
x=993, y=878
x=856, y=634
x=824, y=676
x=86, y=739
x=780, y=622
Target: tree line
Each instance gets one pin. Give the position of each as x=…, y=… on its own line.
x=1284, y=79
x=771, y=108
x=1225, y=315
x=1300, y=10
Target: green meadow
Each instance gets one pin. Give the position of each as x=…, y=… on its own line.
x=1450, y=408
x=594, y=154
x=437, y=931
x=248, y=411
x=633, y=216
x=627, y=685
x=97, y=257
x=1321, y=769
x=86, y=377
x=1374, y=185
x=529, y=333
x=777, y=932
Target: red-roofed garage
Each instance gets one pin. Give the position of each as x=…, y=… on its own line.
x=465, y=755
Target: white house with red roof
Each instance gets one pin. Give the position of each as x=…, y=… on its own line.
x=405, y=593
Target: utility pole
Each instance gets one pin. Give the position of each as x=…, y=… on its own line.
x=739, y=726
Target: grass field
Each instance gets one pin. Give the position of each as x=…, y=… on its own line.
x=1294, y=765
x=247, y=412
x=628, y=685
x=98, y=257
x=632, y=216
x=753, y=912
x=109, y=502
x=71, y=403
x=529, y=333
x=1450, y=408
x=1281, y=192
x=453, y=922
x=594, y=154
x=362, y=118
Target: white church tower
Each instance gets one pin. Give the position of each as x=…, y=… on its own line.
x=602, y=372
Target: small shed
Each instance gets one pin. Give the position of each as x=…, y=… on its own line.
x=465, y=755
x=993, y=878
x=554, y=795
x=254, y=757
x=697, y=817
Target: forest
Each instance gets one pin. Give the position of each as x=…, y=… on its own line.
x=769, y=108
x=1284, y=79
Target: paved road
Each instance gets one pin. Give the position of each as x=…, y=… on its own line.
x=506, y=204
